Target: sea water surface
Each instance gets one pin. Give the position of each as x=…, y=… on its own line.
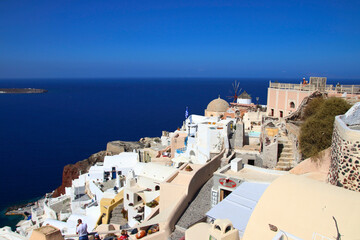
x=41, y=133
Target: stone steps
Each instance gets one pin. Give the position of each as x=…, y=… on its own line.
x=176, y=235
x=286, y=144
x=286, y=156
x=283, y=164
x=116, y=216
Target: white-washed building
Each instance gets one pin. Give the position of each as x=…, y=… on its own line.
x=206, y=136
x=142, y=188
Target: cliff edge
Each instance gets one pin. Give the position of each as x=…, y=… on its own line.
x=72, y=171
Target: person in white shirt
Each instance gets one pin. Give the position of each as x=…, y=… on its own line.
x=81, y=229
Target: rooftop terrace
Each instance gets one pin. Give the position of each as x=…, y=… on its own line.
x=106, y=185
x=251, y=173
x=350, y=89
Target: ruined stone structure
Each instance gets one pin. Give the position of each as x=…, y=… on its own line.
x=269, y=141
x=299, y=113
x=239, y=135
x=345, y=152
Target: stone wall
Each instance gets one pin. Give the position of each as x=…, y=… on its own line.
x=293, y=133
x=269, y=140
x=239, y=135
x=345, y=156
x=270, y=154
x=250, y=158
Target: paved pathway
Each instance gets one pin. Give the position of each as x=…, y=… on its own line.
x=195, y=212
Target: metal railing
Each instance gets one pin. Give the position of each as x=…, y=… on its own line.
x=350, y=89
x=301, y=87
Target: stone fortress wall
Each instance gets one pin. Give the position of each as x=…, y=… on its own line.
x=345, y=151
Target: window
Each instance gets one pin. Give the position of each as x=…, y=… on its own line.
x=292, y=105
x=251, y=162
x=217, y=227
x=228, y=228
x=127, y=196
x=157, y=188
x=272, y=112
x=281, y=114
x=139, y=198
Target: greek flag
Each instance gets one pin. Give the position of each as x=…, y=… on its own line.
x=186, y=113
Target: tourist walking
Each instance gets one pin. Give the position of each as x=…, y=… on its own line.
x=81, y=230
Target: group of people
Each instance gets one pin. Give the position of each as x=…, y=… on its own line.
x=81, y=230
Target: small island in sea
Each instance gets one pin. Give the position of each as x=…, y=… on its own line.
x=22, y=90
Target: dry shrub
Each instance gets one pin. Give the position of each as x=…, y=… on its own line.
x=316, y=131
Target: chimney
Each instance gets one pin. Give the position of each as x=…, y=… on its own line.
x=236, y=164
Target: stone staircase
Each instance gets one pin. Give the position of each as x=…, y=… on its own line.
x=286, y=158
x=116, y=216
x=195, y=212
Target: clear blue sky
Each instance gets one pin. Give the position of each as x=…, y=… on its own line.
x=85, y=38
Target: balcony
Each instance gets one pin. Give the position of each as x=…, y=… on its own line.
x=300, y=87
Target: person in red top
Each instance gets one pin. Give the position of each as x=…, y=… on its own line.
x=124, y=235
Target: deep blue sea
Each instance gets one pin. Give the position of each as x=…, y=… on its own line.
x=41, y=133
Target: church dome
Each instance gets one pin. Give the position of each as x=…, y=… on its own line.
x=218, y=105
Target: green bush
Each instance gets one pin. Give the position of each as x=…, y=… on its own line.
x=316, y=131
x=313, y=107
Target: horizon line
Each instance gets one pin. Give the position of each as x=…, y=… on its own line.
x=151, y=77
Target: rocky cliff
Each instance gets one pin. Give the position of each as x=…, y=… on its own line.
x=73, y=171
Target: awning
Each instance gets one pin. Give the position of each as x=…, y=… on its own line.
x=239, y=205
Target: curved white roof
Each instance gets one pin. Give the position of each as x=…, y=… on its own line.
x=123, y=160
x=304, y=207
x=157, y=172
